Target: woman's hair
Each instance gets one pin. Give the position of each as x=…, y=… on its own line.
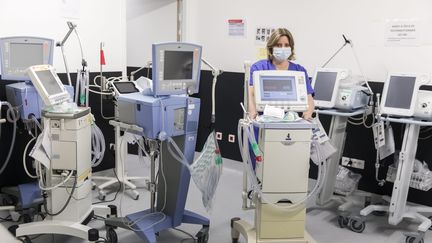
x=274, y=38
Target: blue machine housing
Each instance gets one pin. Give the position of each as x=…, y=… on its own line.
x=26, y=98
x=175, y=115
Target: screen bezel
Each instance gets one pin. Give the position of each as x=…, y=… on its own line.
x=420, y=79
x=185, y=86
x=48, y=59
x=49, y=100
x=301, y=104
x=341, y=74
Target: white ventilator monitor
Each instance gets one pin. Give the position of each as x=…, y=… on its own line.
x=176, y=68
x=19, y=53
x=400, y=93
x=326, y=83
x=48, y=84
x=283, y=89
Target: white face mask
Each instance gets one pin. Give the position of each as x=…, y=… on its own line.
x=281, y=53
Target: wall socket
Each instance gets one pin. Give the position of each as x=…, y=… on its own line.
x=218, y=135
x=231, y=138
x=354, y=163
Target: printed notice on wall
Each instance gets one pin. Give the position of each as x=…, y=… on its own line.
x=402, y=33
x=262, y=34
x=236, y=27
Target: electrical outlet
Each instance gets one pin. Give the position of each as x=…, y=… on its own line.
x=353, y=163
x=231, y=138
x=218, y=135
x=345, y=161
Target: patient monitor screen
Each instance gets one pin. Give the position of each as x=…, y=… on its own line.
x=178, y=65
x=324, y=85
x=399, y=92
x=49, y=82
x=278, y=88
x=24, y=55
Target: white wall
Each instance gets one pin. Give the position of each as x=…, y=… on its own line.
x=317, y=26
x=97, y=21
x=148, y=22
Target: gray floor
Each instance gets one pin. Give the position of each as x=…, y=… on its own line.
x=321, y=223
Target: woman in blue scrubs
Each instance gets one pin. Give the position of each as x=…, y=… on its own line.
x=280, y=53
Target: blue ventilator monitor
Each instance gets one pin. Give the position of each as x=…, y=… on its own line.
x=17, y=54
x=174, y=115
x=168, y=116
x=176, y=68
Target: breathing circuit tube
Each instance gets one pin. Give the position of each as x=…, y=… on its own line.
x=11, y=117
x=245, y=128
x=98, y=145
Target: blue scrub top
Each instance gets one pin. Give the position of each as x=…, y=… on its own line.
x=266, y=64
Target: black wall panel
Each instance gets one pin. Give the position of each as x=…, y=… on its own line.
x=229, y=94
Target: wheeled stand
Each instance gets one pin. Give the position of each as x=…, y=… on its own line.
x=283, y=174
x=68, y=202
x=122, y=178
x=398, y=209
x=169, y=212
x=337, y=135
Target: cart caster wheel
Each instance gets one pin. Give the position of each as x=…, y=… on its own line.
x=134, y=194
x=203, y=234
x=413, y=239
x=113, y=210
x=12, y=229
x=356, y=225
x=43, y=216
x=111, y=235
x=102, y=195
x=25, y=239
x=203, y=239
x=342, y=221
x=430, y=217
x=234, y=233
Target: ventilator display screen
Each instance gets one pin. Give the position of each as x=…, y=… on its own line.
x=178, y=65
x=278, y=88
x=49, y=82
x=24, y=55
x=324, y=85
x=400, y=91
